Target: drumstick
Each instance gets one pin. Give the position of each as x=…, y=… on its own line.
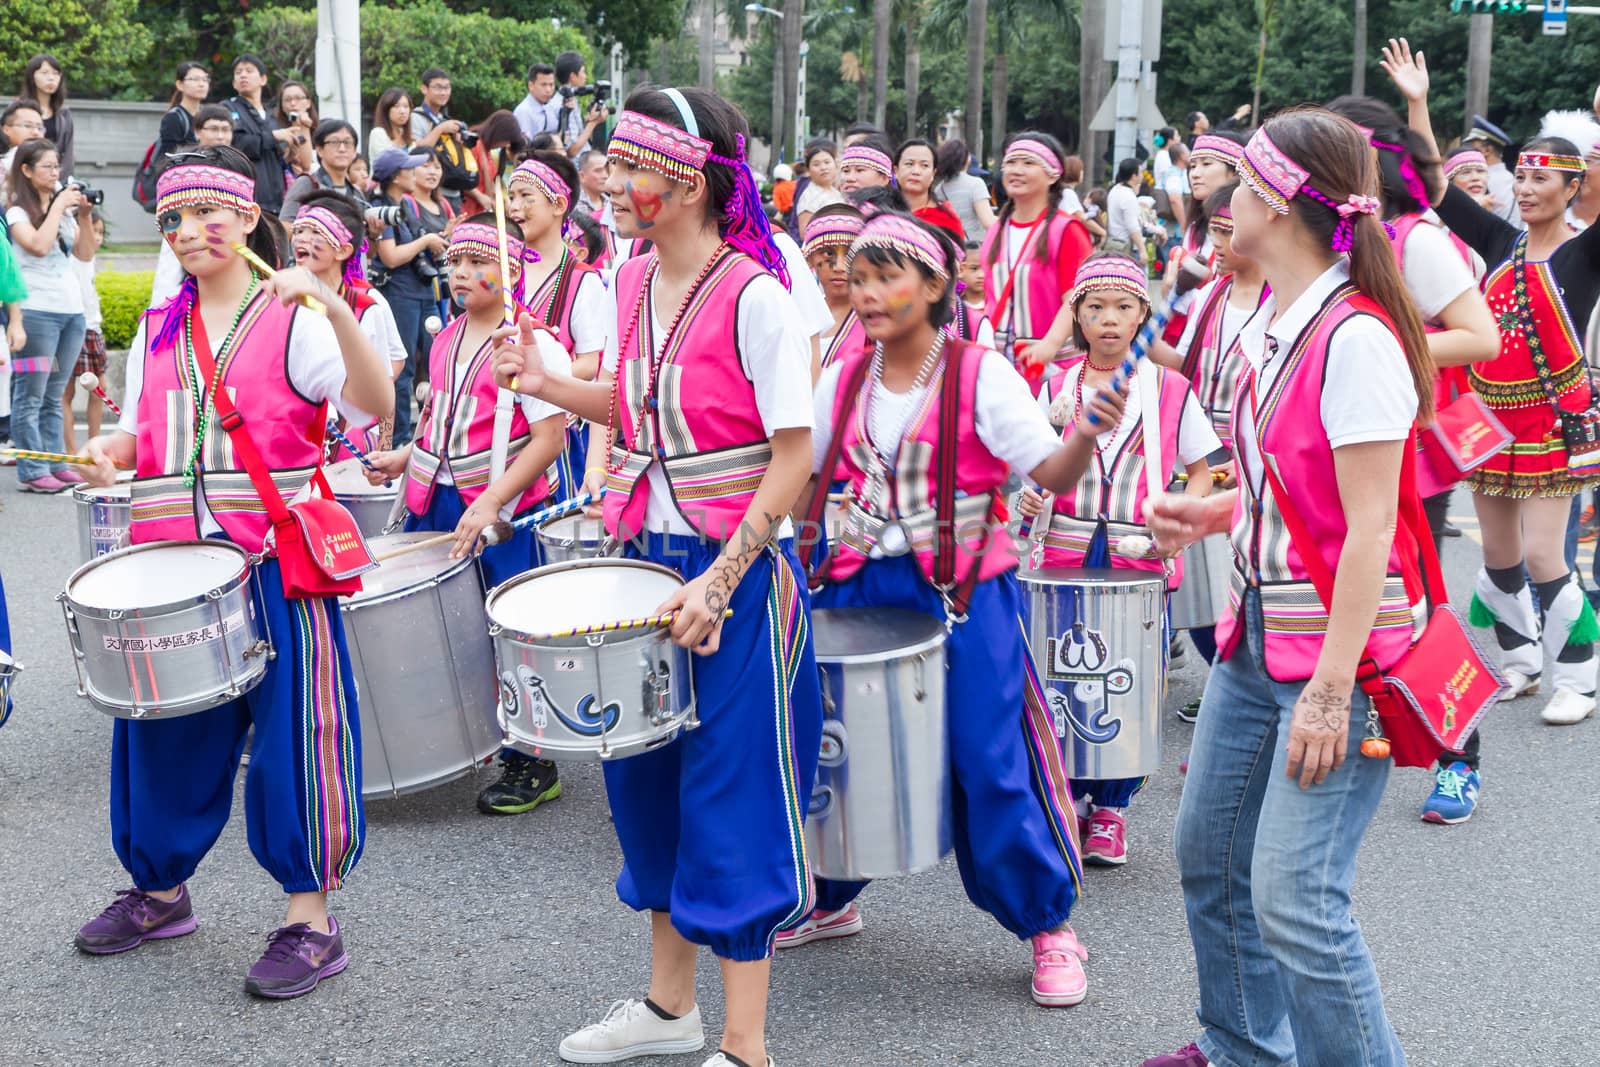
x=52, y=457
x=89, y=380
x=1217, y=476
x=306, y=300
x=648, y=622
x=505, y=262
x=338, y=435
x=492, y=534
x=554, y=511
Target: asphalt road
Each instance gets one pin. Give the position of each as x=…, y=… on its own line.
x=480, y=940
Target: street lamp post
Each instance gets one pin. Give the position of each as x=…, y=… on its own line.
x=801, y=127
x=777, y=80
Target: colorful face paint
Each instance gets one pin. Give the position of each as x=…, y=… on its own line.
x=646, y=204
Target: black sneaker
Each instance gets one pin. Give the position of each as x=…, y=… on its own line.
x=1190, y=711
x=525, y=783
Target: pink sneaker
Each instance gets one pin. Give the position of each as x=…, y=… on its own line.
x=1188, y=1056
x=46, y=484
x=821, y=926
x=71, y=477
x=1107, y=843
x=1058, y=978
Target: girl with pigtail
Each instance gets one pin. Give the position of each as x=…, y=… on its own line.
x=1279, y=792
x=1030, y=256
x=1541, y=288
x=701, y=436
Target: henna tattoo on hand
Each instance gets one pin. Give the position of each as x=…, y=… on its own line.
x=1325, y=707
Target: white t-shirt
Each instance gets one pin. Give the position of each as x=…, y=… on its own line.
x=1367, y=393
x=814, y=197
x=1122, y=215
x=316, y=372
x=169, y=276
x=1433, y=270
x=1070, y=202
x=384, y=333
x=84, y=272
x=1233, y=320
x=554, y=357
x=593, y=314
x=775, y=352
x=1196, y=438
x=815, y=316
x=52, y=282
x=1009, y=424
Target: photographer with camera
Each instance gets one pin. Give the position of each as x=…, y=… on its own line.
x=433, y=128
x=405, y=270
x=49, y=225
x=572, y=76
x=335, y=143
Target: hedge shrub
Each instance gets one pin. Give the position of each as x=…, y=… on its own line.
x=124, y=295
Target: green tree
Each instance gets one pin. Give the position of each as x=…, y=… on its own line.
x=97, y=41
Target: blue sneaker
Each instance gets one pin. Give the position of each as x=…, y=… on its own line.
x=1454, y=796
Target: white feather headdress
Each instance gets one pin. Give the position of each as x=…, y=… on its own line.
x=1579, y=127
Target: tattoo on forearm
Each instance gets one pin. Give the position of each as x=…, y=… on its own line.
x=740, y=551
x=1327, y=706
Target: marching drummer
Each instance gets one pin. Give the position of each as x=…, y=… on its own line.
x=282, y=366
x=892, y=420
x=707, y=404
x=450, y=480
x=1099, y=522
x=327, y=239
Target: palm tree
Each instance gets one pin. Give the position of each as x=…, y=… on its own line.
x=1358, y=64
x=972, y=117
x=853, y=71
x=1265, y=10
x=947, y=19
x=882, y=15
x=910, y=15
x=708, y=44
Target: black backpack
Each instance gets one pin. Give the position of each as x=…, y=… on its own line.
x=151, y=166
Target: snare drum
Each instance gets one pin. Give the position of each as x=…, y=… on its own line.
x=1097, y=643
x=595, y=696
x=104, y=516
x=1200, y=599
x=881, y=802
x=574, y=536
x=420, y=654
x=370, y=504
x=165, y=629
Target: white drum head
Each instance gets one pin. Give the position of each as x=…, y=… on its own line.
x=114, y=494
x=348, y=478
x=405, y=571
x=151, y=575
x=574, y=529
x=591, y=593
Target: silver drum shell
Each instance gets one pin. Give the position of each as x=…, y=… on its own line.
x=171, y=659
x=371, y=505
x=1097, y=642
x=881, y=802
x=1199, y=601
x=571, y=537
x=104, y=517
x=424, y=673
x=590, y=698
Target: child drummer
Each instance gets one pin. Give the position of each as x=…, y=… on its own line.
x=1013, y=827
x=283, y=366
x=1099, y=521
x=709, y=415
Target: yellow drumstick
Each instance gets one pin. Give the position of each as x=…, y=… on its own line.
x=505, y=261
x=306, y=300
x=649, y=621
x=50, y=457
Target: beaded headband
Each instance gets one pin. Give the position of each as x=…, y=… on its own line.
x=1269, y=173
x=1223, y=150
x=896, y=233
x=325, y=223
x=1462, y=160
x=1110, y=272
x=1222, y=219
x=480, y=240
x=543, y=177
x=188, y=184
x=1545, y=161
x=1034, y=151
x=663, y=148
x=831, y=230
x=866, y=156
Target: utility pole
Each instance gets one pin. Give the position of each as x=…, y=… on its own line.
x=1130, y=62
x=1480, y=49
x=1092, y=86
x=1358, y=63
x=338, y=60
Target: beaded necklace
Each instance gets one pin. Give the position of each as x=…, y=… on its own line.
x=552, y=285
x=656, y=356
x=204, y=393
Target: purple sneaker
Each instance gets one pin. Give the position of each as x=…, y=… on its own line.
x=1188, y=1056
x=297, y=958
x=134, y=918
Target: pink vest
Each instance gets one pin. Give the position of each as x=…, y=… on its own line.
x=1118, y=496
x=553, y=303
x=1288, y=429
x=849, y=339
x=1214, y=373
x=459, y=427
x=1038, y=293
x=911, y=490
x=700, y=421
x=286, y=428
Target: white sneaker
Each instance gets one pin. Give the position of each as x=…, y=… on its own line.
x=1519, y=684
x=1567, y=707
x=721, y=1060
x=631, y=1029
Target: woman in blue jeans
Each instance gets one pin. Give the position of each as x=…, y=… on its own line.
x=48, y=224
x=1279, y=794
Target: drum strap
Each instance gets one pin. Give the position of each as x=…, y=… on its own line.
x=850, y=381
x=944, y=542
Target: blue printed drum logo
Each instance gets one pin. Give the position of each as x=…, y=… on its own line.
x=1078, y=658
x=585, y=720
x=508, y=695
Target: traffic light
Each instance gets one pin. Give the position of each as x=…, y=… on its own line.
x=1489, y=7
